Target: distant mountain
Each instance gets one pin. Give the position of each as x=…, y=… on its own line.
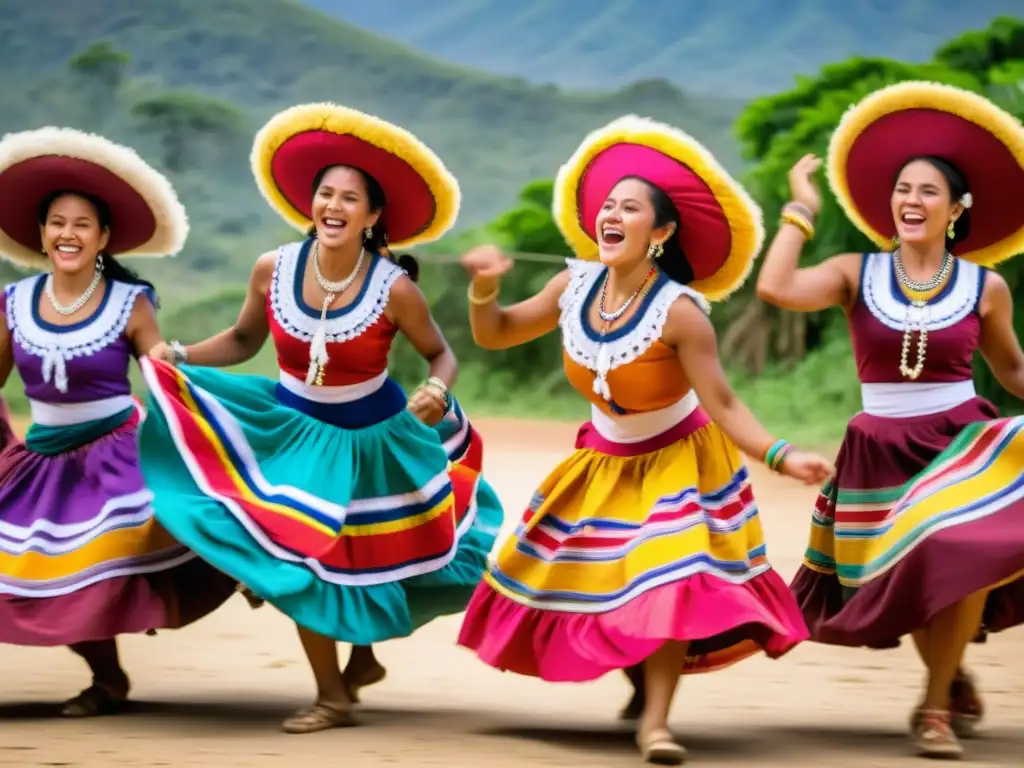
x=254, y=57
x=737, y=48
x=497, y=133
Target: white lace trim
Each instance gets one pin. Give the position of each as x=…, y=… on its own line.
x=601, y=357
x=878, y=287
x=353, y=323
x=56, y=348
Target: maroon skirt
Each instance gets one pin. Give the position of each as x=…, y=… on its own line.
x=882, y=460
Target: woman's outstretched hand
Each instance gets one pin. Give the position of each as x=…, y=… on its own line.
x=162, y=351
x=486, y=262
x=427, y=406
x=802, y=186
x=809, y=468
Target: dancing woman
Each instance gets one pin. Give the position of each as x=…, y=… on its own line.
x=358, y=514
x=644, y=547
x=81, y=558
x=921, y=532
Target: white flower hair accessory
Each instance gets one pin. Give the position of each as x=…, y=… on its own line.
x=967, y=200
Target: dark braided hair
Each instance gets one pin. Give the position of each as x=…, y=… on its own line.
x=378, y=241
x=112, y=268
x=958, y=187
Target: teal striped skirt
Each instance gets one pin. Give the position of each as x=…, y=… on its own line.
x=356, y=520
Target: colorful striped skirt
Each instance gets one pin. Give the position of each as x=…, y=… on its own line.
x=923, y=512
x=626, y=546
x=81, y=557
x=354, y=519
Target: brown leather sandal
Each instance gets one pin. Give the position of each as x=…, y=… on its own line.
x=319, y=717
x=98, y=699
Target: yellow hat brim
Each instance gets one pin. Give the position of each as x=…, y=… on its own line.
x=371, y=132
x=938, y=97
x=742, y=215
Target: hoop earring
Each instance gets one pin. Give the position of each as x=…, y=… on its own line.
x=99, y=262
x=655, y=251
x=950, y=232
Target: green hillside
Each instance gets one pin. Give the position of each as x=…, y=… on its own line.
x=495, y=133
x=187, y=82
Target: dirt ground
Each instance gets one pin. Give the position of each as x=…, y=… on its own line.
x=213, y=694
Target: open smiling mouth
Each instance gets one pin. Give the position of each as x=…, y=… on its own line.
x=612, y=235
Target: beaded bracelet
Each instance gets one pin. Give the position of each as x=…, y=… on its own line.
x=777, y=454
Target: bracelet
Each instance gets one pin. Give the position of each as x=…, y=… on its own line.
x=441, y=389
x=179, y=354
x=777, y=454
x=801, y=223
x=800, y=210
x=477, y=301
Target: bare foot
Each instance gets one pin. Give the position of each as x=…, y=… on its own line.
x=359, y=676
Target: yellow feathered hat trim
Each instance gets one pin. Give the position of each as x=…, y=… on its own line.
x=720, y=226
x=422, y=196
x=878, y=135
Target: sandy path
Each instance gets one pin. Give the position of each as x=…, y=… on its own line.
x=213, y=694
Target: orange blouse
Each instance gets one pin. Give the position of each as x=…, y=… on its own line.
x=633, y=369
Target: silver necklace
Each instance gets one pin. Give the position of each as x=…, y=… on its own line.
x=318, y=346
x=927, y=285
x=917, y=313
x=610, y=317
x=78, y=303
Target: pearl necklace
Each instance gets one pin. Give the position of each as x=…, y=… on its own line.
x=604, y=362
x=917, y=311
x=613, y=316
x=78, y=303
x=318, y=346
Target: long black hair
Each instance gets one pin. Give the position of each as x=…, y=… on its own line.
x=673, y=261
x=958, y=187
x=112, y=268
x=378, y=240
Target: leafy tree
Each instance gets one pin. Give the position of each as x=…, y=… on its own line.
x=184, y=121
x=777, y=130
x=99, y=71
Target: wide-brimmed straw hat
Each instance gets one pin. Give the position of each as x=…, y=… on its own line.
x=879, y=134
x=720, y=229
x=146, y=217
x=422, y=196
